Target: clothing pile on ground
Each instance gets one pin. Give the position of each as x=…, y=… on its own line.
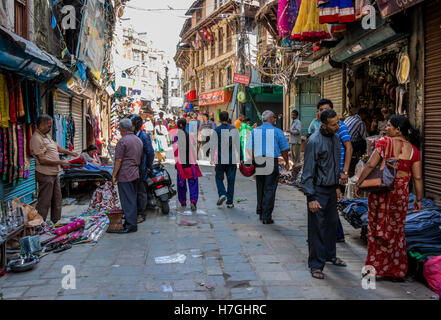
x=88, y=227
x=292, y=178
x=422, y=230
x=19, y=108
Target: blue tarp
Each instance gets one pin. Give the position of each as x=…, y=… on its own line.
x=25, y=58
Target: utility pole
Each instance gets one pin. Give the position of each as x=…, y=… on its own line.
x=241, y=58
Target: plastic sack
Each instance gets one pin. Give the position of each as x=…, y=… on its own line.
x=30, y=245
x=359, y=169
x=176, y=258
x=432, y=273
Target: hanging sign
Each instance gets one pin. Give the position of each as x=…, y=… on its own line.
x=391, y=7
x=239, y=78
x=215, y=97
x=241, y=96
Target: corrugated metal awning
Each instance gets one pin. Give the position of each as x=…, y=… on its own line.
x=25, y=58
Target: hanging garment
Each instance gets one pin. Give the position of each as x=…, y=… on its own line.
x=20, y=105
x=5, y=155
x=4, y=101
x=27, y=160
x=58, y=124
x=20, y=143
x=336, y=11
x=64, y=134
x=1, y=151
x=26, y=99
x=14, y=177
x=12, y=102
x=361, y=8
x=307, y=27
x=287, y=14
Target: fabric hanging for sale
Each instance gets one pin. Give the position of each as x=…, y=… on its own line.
x=12, y=102
x=307, y=27
x=336, y=11
x=1, y=151
x=288, y=11
x=4, y=101
x=361, y=8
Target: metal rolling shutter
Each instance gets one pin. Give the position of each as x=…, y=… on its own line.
x=24, y=190
x=77, y=114
x=333, y=90
x=62, y=103
x=432, y=98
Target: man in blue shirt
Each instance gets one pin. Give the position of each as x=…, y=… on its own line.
x=267, y=144
x=145, y=167
x=225, y=148
x=346, y=155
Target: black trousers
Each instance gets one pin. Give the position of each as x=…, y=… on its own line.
x=266, y=192
x=322, y=229
x=142, y=198
x=128, y=196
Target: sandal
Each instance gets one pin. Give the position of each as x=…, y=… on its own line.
x=317, y=274
x=338, y=262
x=140, y=219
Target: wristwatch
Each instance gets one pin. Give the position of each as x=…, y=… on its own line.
x=346, y=173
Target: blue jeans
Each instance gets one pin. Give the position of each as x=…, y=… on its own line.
x=230, y=171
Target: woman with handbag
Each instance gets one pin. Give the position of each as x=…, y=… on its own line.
x=188, y=171
x=399, y=160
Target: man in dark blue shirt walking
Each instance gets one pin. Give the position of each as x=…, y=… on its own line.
x=145, y=167
x=225, y=148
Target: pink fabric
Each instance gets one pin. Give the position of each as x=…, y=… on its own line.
x=186, y=173
x=77, y=224
x=432, y=273
x=288, y=11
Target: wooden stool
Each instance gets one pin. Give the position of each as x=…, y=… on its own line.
x=115, y=218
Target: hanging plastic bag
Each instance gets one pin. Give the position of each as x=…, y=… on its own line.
x=359, y=169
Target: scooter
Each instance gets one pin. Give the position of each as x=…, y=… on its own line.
x=160, y=187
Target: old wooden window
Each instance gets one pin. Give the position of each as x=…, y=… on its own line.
x=221, y=41
x=21, y=18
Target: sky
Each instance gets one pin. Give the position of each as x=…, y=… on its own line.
x=162, y=27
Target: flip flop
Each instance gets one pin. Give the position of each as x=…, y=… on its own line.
x=338, y=262
x=317, y=274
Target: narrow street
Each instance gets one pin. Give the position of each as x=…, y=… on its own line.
x=229, y=255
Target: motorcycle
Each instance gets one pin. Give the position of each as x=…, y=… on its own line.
x=160, y=187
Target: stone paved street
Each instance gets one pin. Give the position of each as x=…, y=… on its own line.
x=229, y=255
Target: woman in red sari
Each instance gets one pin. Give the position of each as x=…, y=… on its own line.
x=387, y=211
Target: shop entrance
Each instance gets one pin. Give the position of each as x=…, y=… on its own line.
x=309, y=95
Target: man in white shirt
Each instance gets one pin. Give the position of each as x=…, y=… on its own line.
x=295, y=136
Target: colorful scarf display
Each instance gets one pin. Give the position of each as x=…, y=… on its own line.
x=336, y=11
x=308, y=28
x=287, y=14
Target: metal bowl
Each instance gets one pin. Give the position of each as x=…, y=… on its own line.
x=22, y=265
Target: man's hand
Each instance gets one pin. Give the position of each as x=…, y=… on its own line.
x=114, y=180
x=74, y=154
x=314, y=206
x=65, y=164
x=255, y=126
x=344, y=178
x=287, y=167
x=339, y=195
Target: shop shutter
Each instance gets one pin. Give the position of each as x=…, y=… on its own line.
x=62, y=103
x=25, y=190
x=432, y=98
x=333, y=90
x=77, y=113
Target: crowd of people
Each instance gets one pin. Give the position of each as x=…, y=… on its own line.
x=327, y=159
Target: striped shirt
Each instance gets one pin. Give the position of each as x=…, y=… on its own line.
x=344, y=135
x=356, y=127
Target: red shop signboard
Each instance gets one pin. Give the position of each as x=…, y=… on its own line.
x=191, y=95
x=215, y=97
x=239, y=78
